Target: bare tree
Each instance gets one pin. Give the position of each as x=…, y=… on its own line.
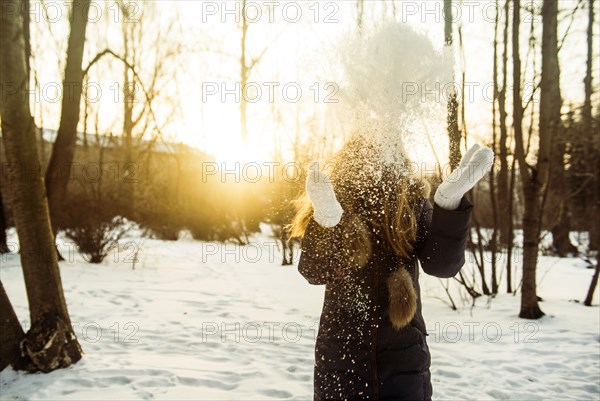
x=588, y=123
x=11, y=333
x=533, y=179
x=593, y=138
x=536, y=178
x=144, y=76
x=492, y=190
x=51, y=342
x=505, y=189
x=244, y=74
x=453, y=131
x=63, y=150
x=131, y=41
x=503, y=195
x=247, y=65
x=559, y=193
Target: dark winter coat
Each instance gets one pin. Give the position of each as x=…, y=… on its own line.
x=359, y=355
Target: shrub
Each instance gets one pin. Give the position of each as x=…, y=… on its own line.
x=95, y=240
x=163, y=224
x=93, y=224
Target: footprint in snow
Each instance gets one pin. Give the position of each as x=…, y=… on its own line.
x=275, y=393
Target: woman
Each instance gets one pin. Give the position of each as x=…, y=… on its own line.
x=363, y=244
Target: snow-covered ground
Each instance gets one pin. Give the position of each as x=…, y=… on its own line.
x=198, y=320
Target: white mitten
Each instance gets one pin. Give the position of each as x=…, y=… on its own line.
x=327, y=210
x=473, y=166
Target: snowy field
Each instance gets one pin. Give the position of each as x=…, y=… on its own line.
x=197, y=320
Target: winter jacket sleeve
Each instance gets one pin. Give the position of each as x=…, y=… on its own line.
x=442, y=238
x=320, y=253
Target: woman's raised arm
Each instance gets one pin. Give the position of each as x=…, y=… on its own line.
x=442, y=238
x=320, y=253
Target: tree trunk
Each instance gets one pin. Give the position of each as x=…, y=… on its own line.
x=552, y=134
x=595, y=213
x=285, y=247
x=3, y=244
x=126, y=189
x=452, y=119
x=529, y=300
x=505, y=189
x=25, y=18
x=550, y=123
x=50, y=342
x=503, y=196
x=591, y=134
x=593, y=285
x=560, y=231
x=493, y=190
x=509, y=249
x=11, y=333
x=63, y=150
x=244, y=72
x=531, y=236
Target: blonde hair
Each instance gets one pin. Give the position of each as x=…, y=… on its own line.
x=400, y=224
x=356, y=168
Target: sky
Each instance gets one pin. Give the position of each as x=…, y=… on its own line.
x=298, y=83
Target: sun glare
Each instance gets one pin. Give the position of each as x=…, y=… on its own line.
x=224, y=142
x=231, y=152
